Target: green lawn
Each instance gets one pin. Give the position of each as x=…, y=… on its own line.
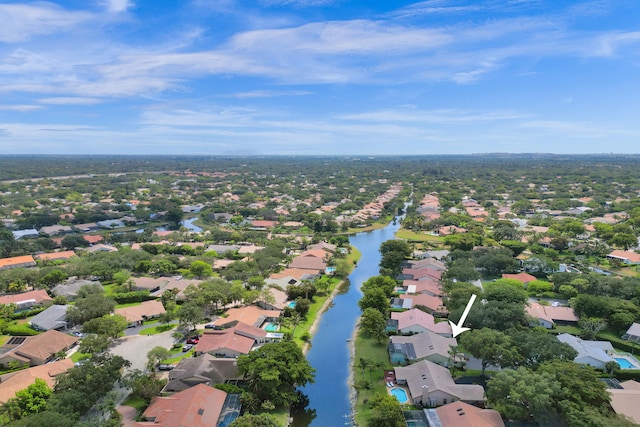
x=157, y=329
x=77, y=356
x=137, y=402
x=419, y=237
x=379, y=357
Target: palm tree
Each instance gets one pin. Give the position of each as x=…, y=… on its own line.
x=295, y=320
x=364, y=363
x=611, y=366
x=454, y=352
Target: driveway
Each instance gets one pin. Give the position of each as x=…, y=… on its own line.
x=134, y=348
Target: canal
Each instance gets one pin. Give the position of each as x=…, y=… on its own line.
x=329, y=354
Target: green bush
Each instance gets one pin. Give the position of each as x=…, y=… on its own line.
x=18, y=330
x=627, y=374
x=129, y=297
x=27, y=313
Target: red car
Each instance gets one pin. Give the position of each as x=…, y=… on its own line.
x=193, y=340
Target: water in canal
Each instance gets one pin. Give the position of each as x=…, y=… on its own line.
x=329, y=354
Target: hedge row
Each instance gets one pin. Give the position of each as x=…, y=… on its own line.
x=129, y=297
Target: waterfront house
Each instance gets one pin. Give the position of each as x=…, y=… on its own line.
x=431, y=385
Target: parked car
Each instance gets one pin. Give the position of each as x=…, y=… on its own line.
x=209, y=326
x=193, y=340
x=166, y=366
x=187, y=347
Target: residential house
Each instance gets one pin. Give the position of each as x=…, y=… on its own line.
x=401, y=303
x=204, y=369
x=278, y=302
x=416, y=321
x=138, y=314
x=159, y=285
x=420, y=274
x=54, y=317
x=35, y=350
x=110, y=223
x=431, y=385
x=624, y=400
x=310, y=261
x=26, y=300
x=22, y=234
x=328, y=247
x=86, y=227
x=549, y=316
x=249, y=249
x=260, y=224
x=592, y=353
x=428, y=262
x=55, y=230
x=232, y=342
x=626, y=257
x=431, y=303
x=16, y=262
x=460, y=414
x=55, y=256
x=198, y=406
x=633, y=333
x=72, y=286
x=296, y=274
x=425, y=346
x=250, y=315
x=101, y=248
x=93, y=239
x=19, y=380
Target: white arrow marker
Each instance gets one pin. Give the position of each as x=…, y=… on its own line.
x=458, y=329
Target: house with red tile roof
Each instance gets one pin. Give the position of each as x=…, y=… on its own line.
x=417, y=321
x=36, y=350
x=17, y=261
x=624, y=401
x=53, y=256
x=431, y=303
x=549, y=316
x=231, y=342
x=260, y=223
x=420, y=274
x=250, y=315
x=19, y=380
x=93, y=239
x=431, y=385
x=137, y=314
x=626, y=257
x=27, y=299
x=460, y=414
x=198, y=406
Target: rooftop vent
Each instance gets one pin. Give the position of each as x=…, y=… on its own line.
x=200, y=411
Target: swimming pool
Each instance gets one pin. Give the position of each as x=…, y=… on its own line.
x=399, y=394
x=270, y=327
x=292, y=304
x=624, y=363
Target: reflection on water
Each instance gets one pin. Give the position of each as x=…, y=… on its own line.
x=329, y=354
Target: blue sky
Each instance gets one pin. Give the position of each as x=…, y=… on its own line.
x=253, y=77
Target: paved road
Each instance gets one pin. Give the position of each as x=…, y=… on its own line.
x=134, y=348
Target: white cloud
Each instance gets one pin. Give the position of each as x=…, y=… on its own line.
x=23, y=21
x=116, y=6
x=270, y=93
x=70, y=100
x=21, y=108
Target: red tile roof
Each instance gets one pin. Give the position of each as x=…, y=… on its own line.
x=198, y=406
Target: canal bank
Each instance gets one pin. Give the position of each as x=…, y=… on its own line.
x=330, y=352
